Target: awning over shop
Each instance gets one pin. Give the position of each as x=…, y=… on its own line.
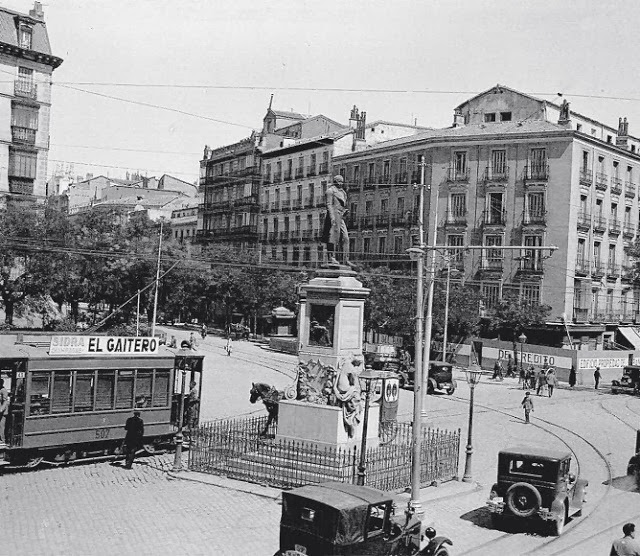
x=631, y=334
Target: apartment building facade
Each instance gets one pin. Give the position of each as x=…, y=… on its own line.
x=512, y=170
x=25, y=109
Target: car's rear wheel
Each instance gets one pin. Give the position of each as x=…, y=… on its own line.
x=451, y=390
x=523, y=499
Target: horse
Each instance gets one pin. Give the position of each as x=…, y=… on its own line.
x=270, y=397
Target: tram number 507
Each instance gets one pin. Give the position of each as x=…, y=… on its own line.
x=102, y=433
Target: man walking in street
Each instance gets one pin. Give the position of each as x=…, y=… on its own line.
x=541, y=381
x=552, y=381
x=596, y=377
x=4, y=409
x=133, y=439
x=627, y=545
x=527, y=405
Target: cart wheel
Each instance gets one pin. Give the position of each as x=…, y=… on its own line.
x=34, y=462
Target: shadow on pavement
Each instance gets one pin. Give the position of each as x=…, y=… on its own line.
x=627, y=483
x=482, y=517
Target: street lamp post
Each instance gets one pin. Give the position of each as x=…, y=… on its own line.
x=177, y=460
x=366, y=378
x=523, y=340
x=473, y=377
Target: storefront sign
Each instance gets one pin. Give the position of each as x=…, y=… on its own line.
x=103, y=345
x=606, y=362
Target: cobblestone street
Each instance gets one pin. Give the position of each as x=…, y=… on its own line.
x=101, y=508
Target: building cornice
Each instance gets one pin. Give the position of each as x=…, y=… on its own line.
x=46, y=59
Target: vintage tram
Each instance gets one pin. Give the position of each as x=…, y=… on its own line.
x=71, y=395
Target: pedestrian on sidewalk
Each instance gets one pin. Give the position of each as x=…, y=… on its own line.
x=627, y=545
x=510, y=367
x=228, y=347
x=4, y=410
x=552, y=381
x=572, y=376
x=541, y=381
x=523, y=378
x=527, y=405
x=133, y=439
x=596, y=377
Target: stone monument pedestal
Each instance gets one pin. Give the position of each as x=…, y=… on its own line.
x=322, y=425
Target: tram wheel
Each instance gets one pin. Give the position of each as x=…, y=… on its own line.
x=149, y=448
x=33, y=462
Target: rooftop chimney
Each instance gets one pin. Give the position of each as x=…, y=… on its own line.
x=354, y=117
x=36, y=12
x=622, y=139
x=458, y=118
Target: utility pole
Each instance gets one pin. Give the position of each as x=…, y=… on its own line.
x=426, y=357
x=155, y=298
x=415, y=506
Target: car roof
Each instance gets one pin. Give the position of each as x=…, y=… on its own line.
x=536, y=452
x=340, y=495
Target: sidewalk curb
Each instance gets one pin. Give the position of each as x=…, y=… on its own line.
x=224, y=482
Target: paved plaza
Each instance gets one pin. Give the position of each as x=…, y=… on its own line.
x=102, y=508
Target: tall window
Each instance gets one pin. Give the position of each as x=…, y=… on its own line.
x=124, y=394
x=596, y=252
x=456, y=242
x=61, y=399
x=535, y=205
x=458, y=204
x=531, y=293
x=372, y=171
x=84, y=391
x=400, y=206
x=144, y=380
x=493, y=257
x=499, y=163
x=538, y=160
x=386, y=170
x=384, y=206
x=460, y=162
x=25, y=36
x=490, y=294
x=398, y=244
x=366, y=245
x=40, y=398
x=532, y=257
x=382, y=244
x=581, y=250
x=611, y=260
x=356, y=174
x=267, y=172
x=585, y=160
x=22, y=164
x=368, y=207
x=495, y=211
x=161, y=388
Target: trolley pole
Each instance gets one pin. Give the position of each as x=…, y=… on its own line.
x=177, y=460
x=155, y=298
x=415, y=506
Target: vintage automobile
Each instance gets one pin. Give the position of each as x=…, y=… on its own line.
x=633, y=469
x=345, y=519
x=536, y=483
x=440, y=377
x=629, y=383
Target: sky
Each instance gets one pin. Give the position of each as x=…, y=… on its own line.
x=204, y=70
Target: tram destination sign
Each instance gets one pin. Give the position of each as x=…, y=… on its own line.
x=103, y=345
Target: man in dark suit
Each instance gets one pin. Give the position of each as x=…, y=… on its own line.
x=133, y=439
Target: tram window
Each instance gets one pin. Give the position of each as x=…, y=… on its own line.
x=124, y=395
x=161, y=390
x=84, y=391
x=61, y=402
x=39, y=396
x=104, y=395
x=143, y=388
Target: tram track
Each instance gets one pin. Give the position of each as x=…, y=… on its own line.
x=585, y=519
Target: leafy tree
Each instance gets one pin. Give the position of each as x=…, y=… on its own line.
x=463, y=312
x=513, y=315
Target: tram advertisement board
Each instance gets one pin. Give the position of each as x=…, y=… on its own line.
x=103, y=345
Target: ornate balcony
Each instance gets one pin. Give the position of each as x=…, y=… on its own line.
x=286, y=204
x=384, y=181
x=602, y=181
x=275, y=206
x=20, y=187
x=586, y=177
x=628, y=272
x=370, y=182
x=599, y=224
x=629, y=189
x=613, y=271
x=628, y=230
x=458, y=174
x=614, y=226
x=494, y=218
x=382, y=220
x=287, y=175
x=581, y=314
x=534, y=218
x=406, y=218
x=536, y=172
x=454, y=219
x=616, y=186
x=496, y=174
x=23, y=135
x=277, y=178
x=584, y=221
x=367, y=221
x=597, y=270
x=531, y=266
x=582, y=267
x=401, y=178
x=272, y=237
x=495, y=264
x=25, y=89
x=311, y=171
